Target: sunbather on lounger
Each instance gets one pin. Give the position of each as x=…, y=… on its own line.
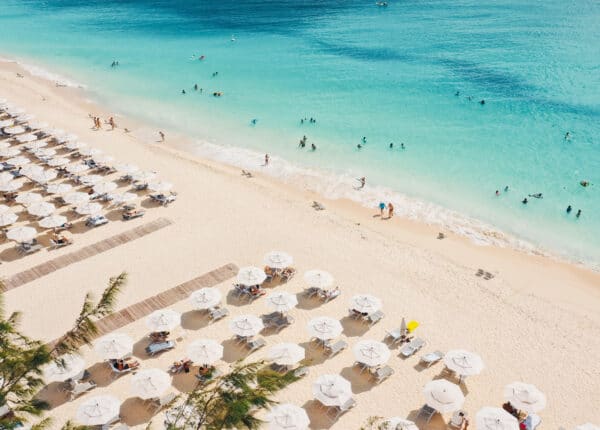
x=255, y=290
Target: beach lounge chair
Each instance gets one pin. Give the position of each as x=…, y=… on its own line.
x=277, y=321
x=426, y=413
x=27, y=249
x=78, y=388
x=328, y=295
x=155, y=348
x=110, y=423
x=337, y=411
x=54, y=244
x=336, y=348
x=374, y=317
x=255, y=344
x=412, y=347
x=161, y=402
x=457, y=419
x=382, y=373
x=301, y=371
x=116, y=373
x=311, y=292
x=431, y=358
x=287, y=274
x=96, y=221
x=133, y=214
x=218, y=313
x=393, y=336
x=140, y=186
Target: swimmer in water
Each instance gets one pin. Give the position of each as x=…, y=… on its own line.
x=497, y=192
x=363, y=182
x=313, y=147
x=457, y=93
x=391, y=145
x=359, y=146
x=254, y=120
x=402, y=146
x=482, y=102
x=524, y=201
x=537, y=195
x=567, y=136
x=195, y=87
x=364, y=139
x=506, y=189
x=182, y=91
x=578, y=214
x=584, y=183
x=569, y=209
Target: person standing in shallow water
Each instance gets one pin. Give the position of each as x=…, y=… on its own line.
x=267, y=159
x=162, y=136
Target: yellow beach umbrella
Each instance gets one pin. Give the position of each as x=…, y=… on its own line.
x=412, y=325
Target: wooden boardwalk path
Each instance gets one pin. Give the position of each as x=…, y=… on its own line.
x=65, y=260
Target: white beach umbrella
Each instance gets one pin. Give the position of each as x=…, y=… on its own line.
x=281, y=301
x=88, y=208
x=15, y=129
x=12, y=186
x=324, y=328
x=332, y=390
x=397, y=423
x=249, y=276
x=70, y=137
x=4, y=209
x=113, y=346
x=7, y=218
x=25, y=117
x=6, y=177
x=76, y=198
x=143, y=176
x=205, y=298
x=41, y=209
x=21, y=234
x=44, y=176
x=463, y=362
x=318, y=279
x=525, y=397
x=587, y=426
x=77, y=168
x=15, y=110
x=9, y=152
x=73, y=145
x=127, y=169
x=489, y=418
x=18, y=161
x=58, y=161
x=28, y=198
x=52, y=221
x=45, y=153
x=163, y=320
x=286, y=416
x=59, y=188
x=365, y=303
x=31, y=169
x=443, y=396
x=36, y=146
x=150, y=383
x=90, y=152
x=278, y=260
x=205, y=351
x=91, y=179
x=6, y=123
x=29, y=137
x=37, y=125
x=371, y=353
x=98, y=410
x=160, y=187
x=286, y=354
x=123, y=198
x=66, y=367
x=104, y=159
x=5, y=144
x=246, y=325
x=105, y=187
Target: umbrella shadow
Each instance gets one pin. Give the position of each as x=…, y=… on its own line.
x=101, y=374
x=139, y=348
x=360, y=382
x=234, y=300
x=54, y=395
x=317, y=415
x=10, y=254
x=232, y=351
x=114, y=215
x=437, y=421
x=134, y=411
x=353, y=328
x=193, y=320
x=307, y=303
x=314, y=355
x=186, y=382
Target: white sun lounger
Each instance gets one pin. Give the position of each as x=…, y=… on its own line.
x=431, y=358
x=412, y=347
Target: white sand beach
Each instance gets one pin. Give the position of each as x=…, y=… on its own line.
x=537, y=320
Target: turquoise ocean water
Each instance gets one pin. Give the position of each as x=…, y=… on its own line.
x=387, y=73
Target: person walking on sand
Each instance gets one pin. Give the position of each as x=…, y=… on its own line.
x=267, y=159
x=381, y=209
x=162, y=136
x=390, y=210
x=111, y=121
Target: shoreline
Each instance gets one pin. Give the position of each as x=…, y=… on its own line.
x=534, y=307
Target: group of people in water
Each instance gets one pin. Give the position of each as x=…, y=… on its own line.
x=304, y=141
x=470, y=98
x=541, y=196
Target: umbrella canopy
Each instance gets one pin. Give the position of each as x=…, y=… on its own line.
x=163, y=320
x=77, y=168
x=160, y=187
x=66, y=367
x=525, y=397
x=29, y=137
x=318, y=279
x=4, y=144
x=18, y=161
x=104, y=159
x=120, y=199
x=587, y=426
x=36, y=125
x=286, y=354
x=278, y=260
x=52, y=221
x=127, y=169
x=3, y=209
x=59, y=188
x=41, y=209
x=44, y=153
x=7, y=218
x=281, y=301
x=73, y=145
x=76, y=198
x=113, y=346
x=9, y=152
x=98, y=410
x=31, y=169
x=16, y=129
x=90, y=179
x=6, y=122
x=14, y=110
x=44, y=176
x=246, y=325
x=365, y=303
x=11, y=186
x=24, y=117
x=249, y=276
x=205, y=351
x=105, y=187
x=463, y=362
x=6, y=177
x=58, y=161
x=371, y=353
x=397, y=423
x=36, y=146
x=324, y=328
x=443, y=396
x=88, y=208
x=332, y=390
x=490, y=418
x=67, y=137
x=143, y=176
x=21, y=234
x=205, y=298
x=287, y=417
x=150, y=383
x=89, y=152
x=28, y=198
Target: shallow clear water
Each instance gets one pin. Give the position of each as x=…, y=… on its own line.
x=389, y=74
